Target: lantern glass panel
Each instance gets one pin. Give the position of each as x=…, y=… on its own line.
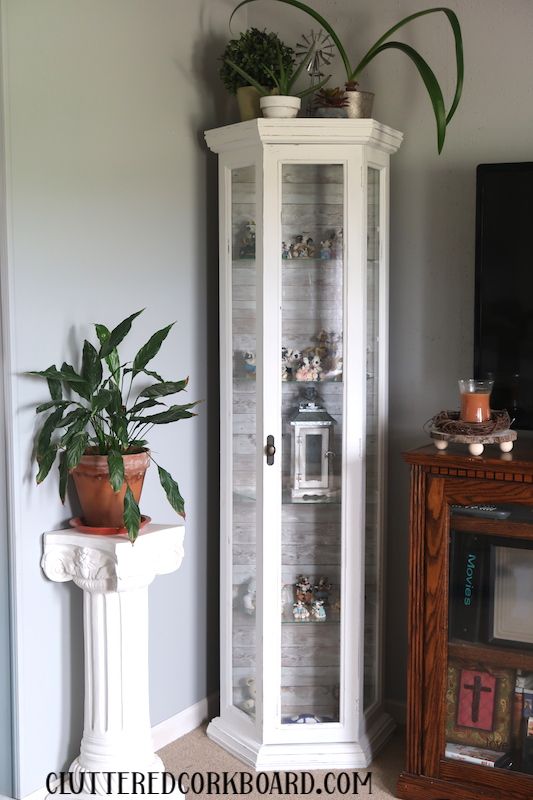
x=244, y=404
x=312, y=269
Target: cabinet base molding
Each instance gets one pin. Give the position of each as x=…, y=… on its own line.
x=303, y=755
x=420, y=787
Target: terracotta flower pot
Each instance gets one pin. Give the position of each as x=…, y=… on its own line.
x=101, y=507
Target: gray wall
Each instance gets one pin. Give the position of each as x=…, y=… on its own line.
x=109, y=211
x=432, y=211
x=111, y=208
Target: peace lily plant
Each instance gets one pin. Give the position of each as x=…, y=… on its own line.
x=431, y=83
x=97, y=413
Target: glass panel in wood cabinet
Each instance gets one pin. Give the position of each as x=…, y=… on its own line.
x=244, y=401
x=311, y=367
x=489, y=680
x=372, y=460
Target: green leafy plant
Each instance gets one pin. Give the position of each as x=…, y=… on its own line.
x=102, y=419
x=283, y=77
x=331, y=98
x=431, y=83
x=256, y=53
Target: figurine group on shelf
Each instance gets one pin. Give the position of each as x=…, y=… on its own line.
x=311, y=600
x=321, y=362
x=303, y=246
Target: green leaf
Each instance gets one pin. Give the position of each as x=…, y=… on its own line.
x=91, y=366
x=132, y=515
x=172, y=491
x=247, y=77
x=164, y=388
x=63, y=476
x=118, y=334
x=73, y=416
x=76, y=427
x=57, y=375
x=150, y=349
x=45, y=461
x=50, y=424
x=102, y=400
x=53, y=404
x=152, y=374
x=172, y=414
x=431, y=84
x=76, y=448
x=76, y=382
x=137, y=445
x=112, y=360
x=54, y=386
x=119, y=425
x=115, y=464
x=141, y=406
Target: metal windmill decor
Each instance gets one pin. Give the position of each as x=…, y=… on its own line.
x=321, y=55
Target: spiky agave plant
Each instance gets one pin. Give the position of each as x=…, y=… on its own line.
x=431, y=83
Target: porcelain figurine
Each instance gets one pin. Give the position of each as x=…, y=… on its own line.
x=311, y=249
x=248, y=704
x=300, y=611
x=299, y=247
x=247, y=240
x=304, y=590
x=249, y=363
x=285, y=250
x=322, y=590
x=325, y=249
x=338, y=243
x=317, y=610
x=248, y=599
x=310, y=369
x=290, y=363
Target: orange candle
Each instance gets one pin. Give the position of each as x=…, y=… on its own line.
x=475, y=400
x=475, y=406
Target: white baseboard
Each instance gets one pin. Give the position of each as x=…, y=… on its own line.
x=180, y=724
x=166, y=732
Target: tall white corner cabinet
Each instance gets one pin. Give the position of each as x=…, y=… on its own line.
x=303, y=342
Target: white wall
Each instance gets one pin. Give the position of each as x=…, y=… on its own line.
x=432, y=210
x=111, y=208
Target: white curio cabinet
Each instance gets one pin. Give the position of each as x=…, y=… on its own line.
x=304, y=298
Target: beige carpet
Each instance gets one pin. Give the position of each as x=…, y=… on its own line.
x=196, y=753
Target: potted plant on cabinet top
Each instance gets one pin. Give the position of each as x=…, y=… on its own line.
x=330, y=102
x=101, y=437
x=286, y=103
x=257, y=53
x=426, y=73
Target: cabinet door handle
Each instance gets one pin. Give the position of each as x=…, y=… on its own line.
x=270, y=450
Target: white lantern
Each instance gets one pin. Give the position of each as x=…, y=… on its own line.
x=312, y=454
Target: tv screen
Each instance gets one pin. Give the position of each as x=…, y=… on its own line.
x=503, y=341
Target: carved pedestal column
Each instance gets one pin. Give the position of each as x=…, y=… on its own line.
x=114, y=577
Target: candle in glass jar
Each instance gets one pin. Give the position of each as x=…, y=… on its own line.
x=475, y=399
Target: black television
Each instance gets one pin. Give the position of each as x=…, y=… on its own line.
x=503, y=335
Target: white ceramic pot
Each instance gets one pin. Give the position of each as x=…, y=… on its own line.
x=359, y=104
x=280, y=106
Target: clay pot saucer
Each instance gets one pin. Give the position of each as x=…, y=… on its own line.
x=79, y=525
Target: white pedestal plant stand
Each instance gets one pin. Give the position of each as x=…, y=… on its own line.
x=114, y=577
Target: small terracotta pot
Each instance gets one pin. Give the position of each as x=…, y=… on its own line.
x=101, y=507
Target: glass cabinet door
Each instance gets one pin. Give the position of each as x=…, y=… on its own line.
x=243, y=435
x=489, y=694
x=373, y=444
x=311, y=374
